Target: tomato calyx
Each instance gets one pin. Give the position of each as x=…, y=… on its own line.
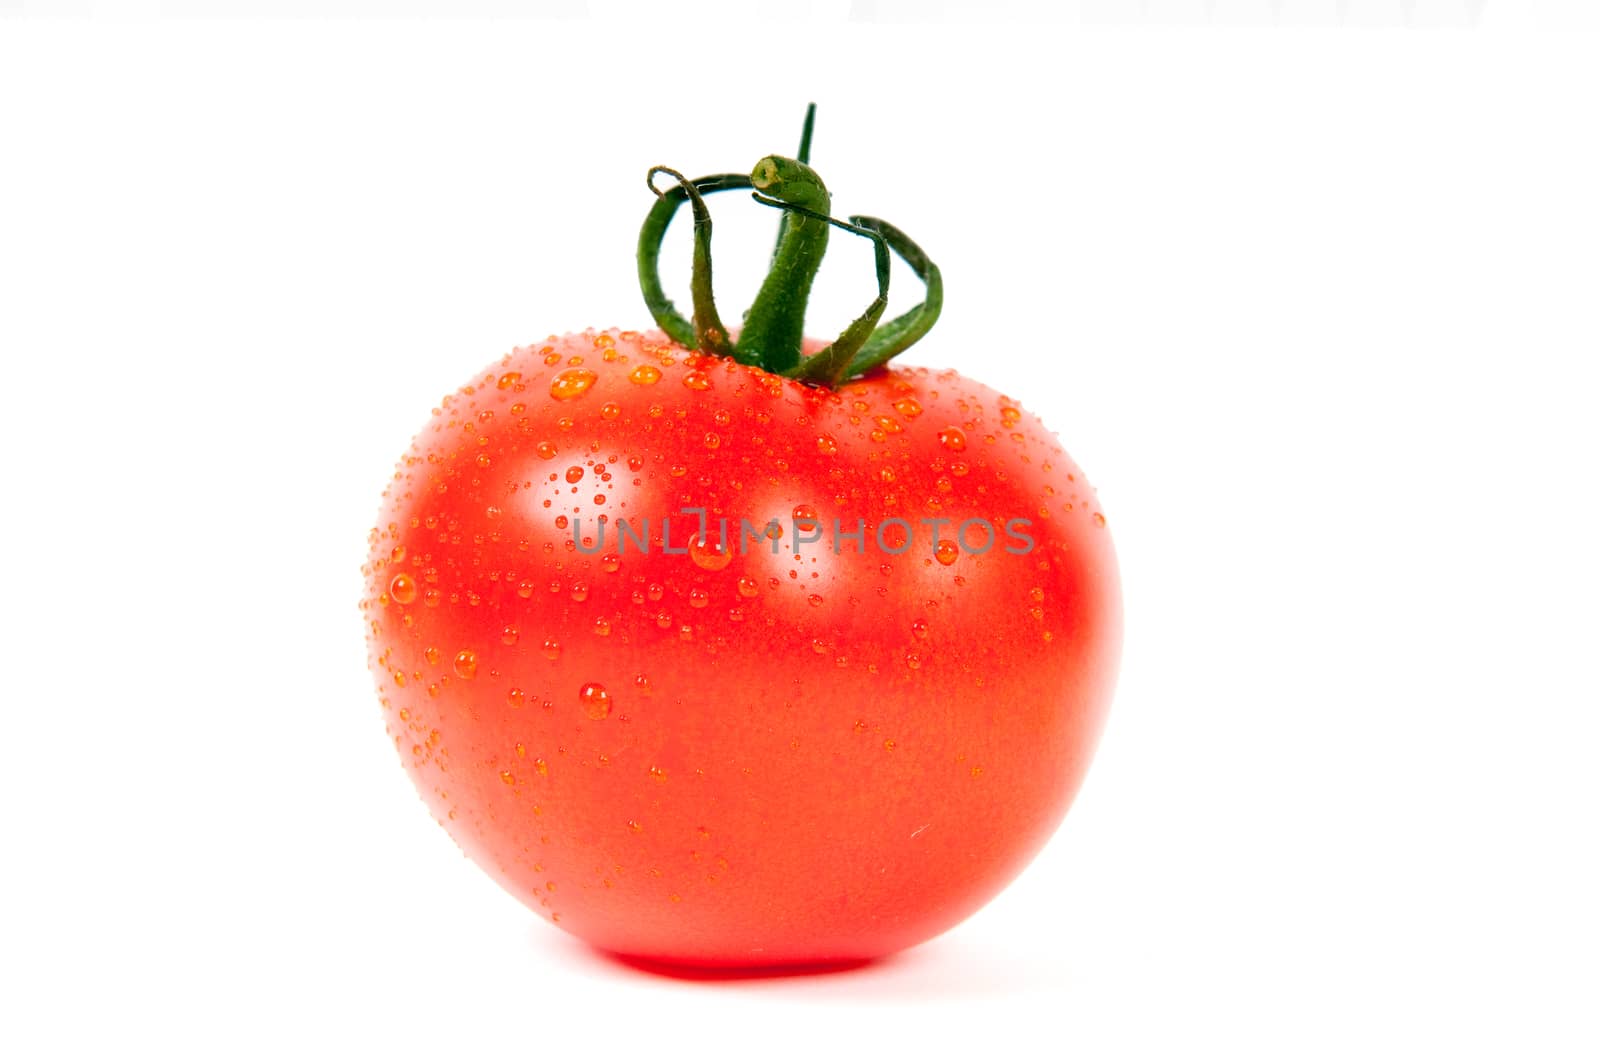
x=774, y=326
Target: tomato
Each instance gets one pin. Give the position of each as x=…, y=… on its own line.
x=715, y=667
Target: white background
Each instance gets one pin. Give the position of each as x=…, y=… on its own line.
x=1315, y=308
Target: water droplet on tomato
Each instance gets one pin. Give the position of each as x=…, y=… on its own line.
x=610, y=411
x=431, y=654
x=695, y=380
x=570, y=383
x=602, y=626
x=398, y=554
x=403, y=589
x=805, y=518
x=698, y=598
x=580, y=592
x=574, y=473
x=748, y=587
x=919, y=628
x=815, y=599
x=508, y=381
x=466, y=665
x=610, y=563
x=545, y=449
x=709, y=556
x=908, y=407
x=1100, y=519
x=596, y=703
x=953, y=439
x=552, y=649
x=826, y=444
x=1009, y=415
x=508, y=634
x=946, y=552
x=644, y=374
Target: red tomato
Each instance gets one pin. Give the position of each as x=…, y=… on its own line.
x=730, y=750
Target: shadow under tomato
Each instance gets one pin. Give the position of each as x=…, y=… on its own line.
x=946, y=968
x=688, y=973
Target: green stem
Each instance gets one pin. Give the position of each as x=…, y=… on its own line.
x=803, y=155
x=774, y=326
x=889, y=340
x=654, y=231
x=832, y=364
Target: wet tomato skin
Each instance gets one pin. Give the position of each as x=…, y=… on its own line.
x=704, y=752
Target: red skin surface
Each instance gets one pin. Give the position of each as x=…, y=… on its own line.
x=802, y=761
